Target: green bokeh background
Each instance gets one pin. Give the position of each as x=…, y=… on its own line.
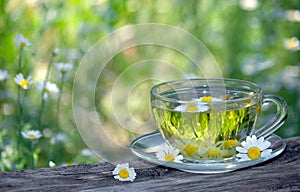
x=246, y=44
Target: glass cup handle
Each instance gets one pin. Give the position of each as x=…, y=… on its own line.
x=277, y=120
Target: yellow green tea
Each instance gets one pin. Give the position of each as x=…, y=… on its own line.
x=201, y=132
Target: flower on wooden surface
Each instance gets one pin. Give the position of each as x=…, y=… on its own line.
x=31, y=134
x=123, y=172
x=47, y=89
x=24, y=83
x=253, y=148
x=21, y=41
x=3, y=75
x=169, y=154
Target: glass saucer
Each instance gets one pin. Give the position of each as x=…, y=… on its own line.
x=146, y=146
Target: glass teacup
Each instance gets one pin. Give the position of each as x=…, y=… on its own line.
x=207, y=118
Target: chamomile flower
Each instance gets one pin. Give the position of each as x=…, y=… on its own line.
x=192, y=106
x=249, y=5
x=21, y=41
x=50, y=88
x=31, y=134
x=292, y=44
x=253, y=148
x=55, y=51
x=293, y=15
x=123, y=172
x=63, y=67
x=24, y=83
x=3, y=75
x=58, y=137
x=169, y=154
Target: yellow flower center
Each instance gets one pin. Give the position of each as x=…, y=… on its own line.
x=62, y=69
x=292, y=43
x=69, y=163
x=226, y=97
x=230, y=143
x=22, y=44
x=253, y=153
x=257, y=109
x=47, y=90
x=169, y=157
x=213, y=153
x=206, y=99
x=124, y=173
x=24, y=83
x=248, y=101
x=190, y=149
x=31, y=136
x=191, y=108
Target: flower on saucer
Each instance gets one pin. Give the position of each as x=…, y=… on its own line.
x=21, y=41
x=169, y=154
x=3, y=75
x=24, y=83
x=31, y=134
x=253, y=148
x=48, y=89
x=122, y=172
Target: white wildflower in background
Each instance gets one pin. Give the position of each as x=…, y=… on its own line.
x=293, y=15
x=63, y=67
x=292, y=44
x=24, y=83
x=169, y=154
x=55, y=51
x=50, y=88
x=249, y=5
x=123, y=172
x=58, y=137
x=21, y=41
x=3, y=75
x=31, y=134
x=253, y=148
x=87, y=152
x=52, y=164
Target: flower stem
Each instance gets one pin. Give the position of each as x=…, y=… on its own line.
x=32, y=154
x=59, y=100
x=43, y=88
x=20, y=60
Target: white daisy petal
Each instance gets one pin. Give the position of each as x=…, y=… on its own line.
x=266, y=153
x=265, y=145
x=243, y=157
x=241, y=149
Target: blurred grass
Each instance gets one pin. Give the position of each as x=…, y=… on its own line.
x=247, y=45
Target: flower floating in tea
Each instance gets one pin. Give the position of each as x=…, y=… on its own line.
x=123, y=172
x=253, y=148
x=169, y=154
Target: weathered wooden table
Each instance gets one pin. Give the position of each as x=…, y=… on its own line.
x=279, y=174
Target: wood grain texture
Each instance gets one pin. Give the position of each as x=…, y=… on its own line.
x=279, y=174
